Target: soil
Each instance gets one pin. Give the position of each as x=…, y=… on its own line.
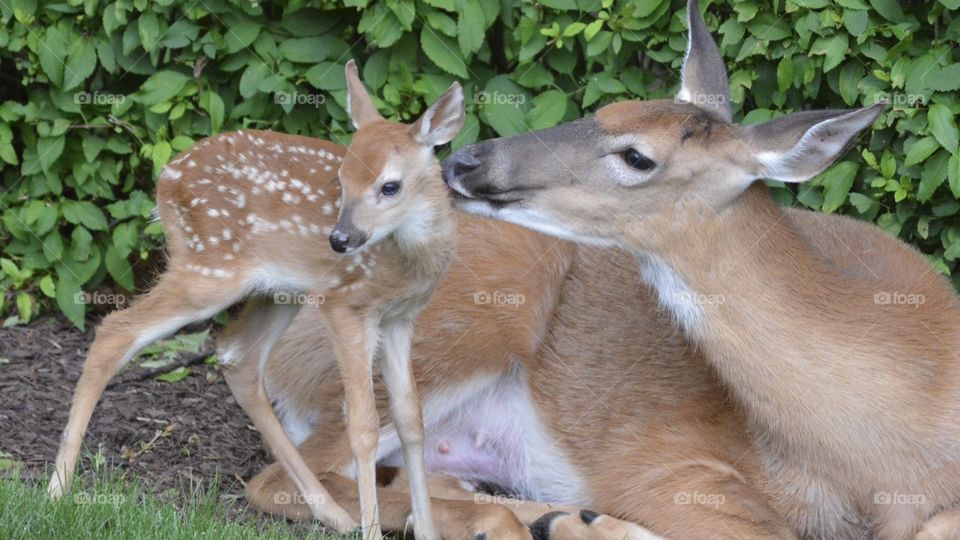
x=172, y=437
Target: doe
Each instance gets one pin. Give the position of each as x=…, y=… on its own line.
x=243, y=213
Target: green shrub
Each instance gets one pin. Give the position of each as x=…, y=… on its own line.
x=98, y=95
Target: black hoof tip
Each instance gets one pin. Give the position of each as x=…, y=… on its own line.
x=588, y=516
x=480, y=536
x=540, y=530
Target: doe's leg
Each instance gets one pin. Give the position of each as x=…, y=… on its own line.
x=245, y=349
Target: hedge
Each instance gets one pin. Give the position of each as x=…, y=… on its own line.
x=98, y=95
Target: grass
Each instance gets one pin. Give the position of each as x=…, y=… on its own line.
x=104, y=506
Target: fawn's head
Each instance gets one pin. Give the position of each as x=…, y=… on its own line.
x=389, y=176
x=639, y=171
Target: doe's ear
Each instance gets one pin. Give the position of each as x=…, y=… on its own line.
x=360, y=107
x=798, y=146
x=441, y=122
x=703, y=78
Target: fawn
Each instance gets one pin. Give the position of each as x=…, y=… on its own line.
x=854, y=395
x=242, y=212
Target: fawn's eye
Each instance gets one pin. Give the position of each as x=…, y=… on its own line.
x=390, y=188
x=638, y=161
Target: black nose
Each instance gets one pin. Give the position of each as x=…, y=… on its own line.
x=460, y=163
x=339, y=241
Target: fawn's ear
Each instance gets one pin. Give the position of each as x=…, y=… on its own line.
x=798, y=146
x=703, y=78
x=441, y=122
x=360, y=107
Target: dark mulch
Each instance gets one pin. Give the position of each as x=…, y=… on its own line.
x=170, y=436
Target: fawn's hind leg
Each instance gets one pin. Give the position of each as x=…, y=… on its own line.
x=245, y=349
x=177, y=300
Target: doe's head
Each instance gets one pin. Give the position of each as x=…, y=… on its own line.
x=389, y=176
x=637, y=173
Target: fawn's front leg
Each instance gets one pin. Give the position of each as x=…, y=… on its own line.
x=406, y=413
x=355, y=336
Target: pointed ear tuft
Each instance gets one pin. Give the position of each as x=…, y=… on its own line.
x=360, y=106
x=703, y=79
x=799, y=146
x=441, y=122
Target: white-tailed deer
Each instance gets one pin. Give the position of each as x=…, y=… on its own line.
x=251, y=216
x=847, y=370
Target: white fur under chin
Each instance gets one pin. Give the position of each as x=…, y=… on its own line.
x=674, y=293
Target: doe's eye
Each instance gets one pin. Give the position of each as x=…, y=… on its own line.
x=390, y=188
x=638, y=161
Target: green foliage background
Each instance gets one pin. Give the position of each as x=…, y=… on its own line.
x=97, y=95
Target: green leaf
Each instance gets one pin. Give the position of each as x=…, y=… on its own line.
x=252, y=77
x=933, y=175
x=943, y=126
x=47, y=286
x=162, y=86
x=953, y=174
x=174, y=376
x=161, y=155
x=785, y=73
x=119, y=268
x=240, y=33
x=50, y=50
x=920, y=150
x=834, y=50
x=855, y=21
x=548, y=109
x=862, y=203
x=946, y=79
x=850, y=76
x=80, y=64
x=70, y=300
x=86, y=214
x=213, y=105
x=309, y=49
x=25, y=304
x=471, y=27
x=837, y=181
x=443, y=52
x=889, y=9
x=327, y=76
x=503, y=105
x=48, y=151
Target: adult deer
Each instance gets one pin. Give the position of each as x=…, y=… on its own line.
x=250, y=216
x=853, y=395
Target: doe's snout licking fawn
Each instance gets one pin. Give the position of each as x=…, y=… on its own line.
x=855, y=399
x=252, y=216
